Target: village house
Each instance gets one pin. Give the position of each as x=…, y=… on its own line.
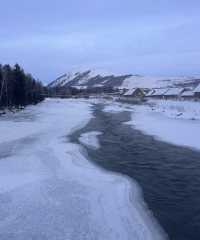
x=173, y=93
x=149, y=94
x=134, y=93
x=157, y=93
x=187, y=95
x=197, y=92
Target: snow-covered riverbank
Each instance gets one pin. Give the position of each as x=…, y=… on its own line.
x=176, y=122
x=49, y=190
x=187, y=110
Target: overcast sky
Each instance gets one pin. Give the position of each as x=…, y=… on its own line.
x=149, y=37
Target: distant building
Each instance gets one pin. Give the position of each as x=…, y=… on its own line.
x=197, y=92
x=146, y=90
x=173, y=93
x=135, y=93
x=158, y=93
x=149, y=93
x=187, y=95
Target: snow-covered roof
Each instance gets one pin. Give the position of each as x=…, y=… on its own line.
x=159, y=92
x=150, y=93
x=197, y=89
x=129, y=92
x=174, y=91
x=132, y=91
x=187, y=93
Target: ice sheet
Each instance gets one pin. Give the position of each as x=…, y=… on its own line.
x=90, y=139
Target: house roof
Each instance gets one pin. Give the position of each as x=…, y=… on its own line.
x=187, y=93
x=150, y=93
x=132, y=91
x=129, y=92
x=197, y=89
x=159, y=92
x=174, y=91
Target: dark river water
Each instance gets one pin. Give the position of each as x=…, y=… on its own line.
x=168, y=175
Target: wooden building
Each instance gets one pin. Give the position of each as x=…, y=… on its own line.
x=134, y=93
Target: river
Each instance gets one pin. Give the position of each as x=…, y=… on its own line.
x=168, y=175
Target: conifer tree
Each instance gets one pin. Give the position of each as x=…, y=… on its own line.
x=18, y=88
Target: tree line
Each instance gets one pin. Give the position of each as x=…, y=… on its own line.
x=18, y=88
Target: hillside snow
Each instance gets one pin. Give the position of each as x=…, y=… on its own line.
x=96, y=78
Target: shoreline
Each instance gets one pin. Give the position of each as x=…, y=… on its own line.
x=162, y=124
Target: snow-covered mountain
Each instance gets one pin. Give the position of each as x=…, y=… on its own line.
x=92, y=79
x=89, y=79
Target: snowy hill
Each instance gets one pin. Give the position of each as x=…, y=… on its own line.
x=89, y=79
x=159, y=82
x=92, y=79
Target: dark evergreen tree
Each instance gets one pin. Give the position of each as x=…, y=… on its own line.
x=8, y=85
x=18, y=88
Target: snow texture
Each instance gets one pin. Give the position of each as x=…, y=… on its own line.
x=116, y=107
x=189, y=110
x=49, y=190
x=174, y=92
x=176, y=122
x=188, y=93
x=159, y=92
x=64, y=79
x=138, y=81
x=90, y=139
x=85, y=78
x=113, y=109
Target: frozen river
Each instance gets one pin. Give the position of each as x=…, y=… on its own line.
x=49, y=189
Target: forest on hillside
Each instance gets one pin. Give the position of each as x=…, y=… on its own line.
x=18, y=88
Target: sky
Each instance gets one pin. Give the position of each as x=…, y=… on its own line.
x=147, y=37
